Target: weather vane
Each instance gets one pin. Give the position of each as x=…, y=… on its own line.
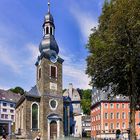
x=48, y=5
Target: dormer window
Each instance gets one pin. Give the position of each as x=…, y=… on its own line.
x=47, y=30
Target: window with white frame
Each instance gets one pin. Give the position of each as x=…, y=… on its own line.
x=106, y=126
x=12, y=117
x=118, y=115
x=39, y=73
x=111, y=126
x=118, y=106
x=106, y=115
x=4, y=104
x=6, y=116
x=47, y=30
x=118, y=125
x=123, y=115
x=4, y=110
x=11, y=105
x=2, y=116
x=53, y=71
x=123, y=125
x=111, y=105
x=111, y=115
x=11, y=111
x=123, y=105
x=106, y=105
x=51, y=30
x=35, y=116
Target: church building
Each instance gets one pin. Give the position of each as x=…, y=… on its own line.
x=41, y=109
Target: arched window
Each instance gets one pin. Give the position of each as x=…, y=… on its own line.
x=39, y=74
x=51, y=32
x=47, y=30
x=35, y=116
x=53, y=71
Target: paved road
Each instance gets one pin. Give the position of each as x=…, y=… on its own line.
x=66, y=138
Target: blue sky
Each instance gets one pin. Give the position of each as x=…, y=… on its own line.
x=21, y=32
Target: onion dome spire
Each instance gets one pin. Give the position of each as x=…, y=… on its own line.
x=48, y=43
x=49, y=6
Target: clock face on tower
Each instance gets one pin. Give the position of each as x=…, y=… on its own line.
x=53, y=56
x=53, y=59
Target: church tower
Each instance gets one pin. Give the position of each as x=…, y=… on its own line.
x=49, y=82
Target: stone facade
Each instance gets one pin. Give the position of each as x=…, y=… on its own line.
x=72, y=109
x=23, y=117
x=43, y=83
x=41, y=109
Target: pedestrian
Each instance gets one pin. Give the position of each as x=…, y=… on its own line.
x=38, y=137
x=3, y=137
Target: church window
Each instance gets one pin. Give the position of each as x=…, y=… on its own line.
x=35, y=114
x=51, y=30
x=39, y=74
x=53, y=73
x=53, y=104
x=47, y=30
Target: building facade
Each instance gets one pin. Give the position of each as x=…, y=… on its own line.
x=108, y=116
x=78, y=125
x=8, y=102
x=86, y=125
x=41, y=109
x=72, y=110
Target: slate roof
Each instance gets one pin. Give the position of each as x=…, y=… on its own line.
x=36, y=94
x=33, y=92
x=9, y=96
x=103, y=95
x=74, y=96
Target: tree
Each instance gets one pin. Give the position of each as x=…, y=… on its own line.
x=18, y=90
x=114, y=47
x=86, y=101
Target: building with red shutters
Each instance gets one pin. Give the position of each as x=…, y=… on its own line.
x=110, y=115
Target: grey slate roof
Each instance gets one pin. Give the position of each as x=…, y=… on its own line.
x=33, y=92
x=36, y=94
x=9, y=96
x=103, y=95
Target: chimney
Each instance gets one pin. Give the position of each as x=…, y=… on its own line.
x=70, y=90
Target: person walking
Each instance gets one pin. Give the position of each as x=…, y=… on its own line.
x=38, y=137
x=4, y=137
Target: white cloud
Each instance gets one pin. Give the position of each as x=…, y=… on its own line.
x=78, y=76
x=84, y=20
x=74, y=71
x=4, y=87
x=7, y=58
x=33, y=51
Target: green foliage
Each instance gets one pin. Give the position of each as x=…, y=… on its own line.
x=114, y=47
x=18, y=90
x=86, y=101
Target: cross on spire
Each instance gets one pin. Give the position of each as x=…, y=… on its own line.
x=49, y=6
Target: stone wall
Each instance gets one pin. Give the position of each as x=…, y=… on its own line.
x=43, y=84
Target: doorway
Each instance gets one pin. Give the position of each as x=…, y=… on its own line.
x=53, y=129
